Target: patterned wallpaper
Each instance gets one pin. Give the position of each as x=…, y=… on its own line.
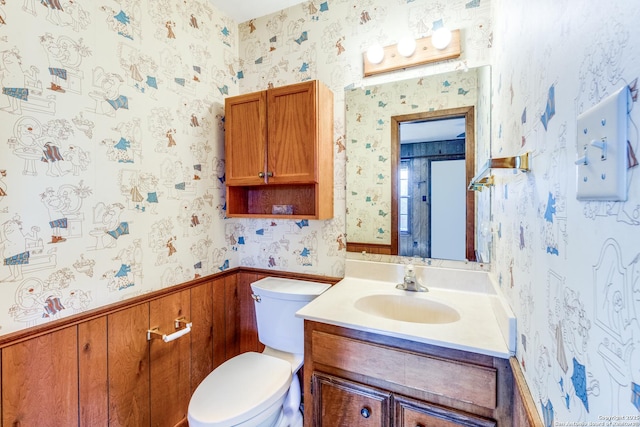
x=570, y=268
x=324, y=40
x=112, y=171
x=111, y=151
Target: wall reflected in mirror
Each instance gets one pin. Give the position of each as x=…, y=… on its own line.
x=375, y=158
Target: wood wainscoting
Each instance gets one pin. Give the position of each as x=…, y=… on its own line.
x=98, y=369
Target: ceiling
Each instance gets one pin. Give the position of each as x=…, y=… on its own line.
x=244, y=10
x=432, y=130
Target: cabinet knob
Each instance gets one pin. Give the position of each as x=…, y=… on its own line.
x=269, y=174
x=365, y=412
x=260, y=174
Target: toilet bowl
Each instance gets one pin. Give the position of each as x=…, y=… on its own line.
x=261, y=389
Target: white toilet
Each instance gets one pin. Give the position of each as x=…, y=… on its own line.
x=261, y=389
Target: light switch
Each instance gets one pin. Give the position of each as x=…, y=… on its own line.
x=602, y=149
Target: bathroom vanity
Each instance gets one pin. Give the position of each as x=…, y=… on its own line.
x=379, y=356
x=356, y=378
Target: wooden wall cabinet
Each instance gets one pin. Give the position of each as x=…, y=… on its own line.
x=279, y=151
x=366, y=379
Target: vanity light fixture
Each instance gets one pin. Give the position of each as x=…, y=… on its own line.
x=405, y=54
x=375, y=54
x=441, y=38
x=406, y=46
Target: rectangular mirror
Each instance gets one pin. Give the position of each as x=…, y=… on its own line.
x=412, y=148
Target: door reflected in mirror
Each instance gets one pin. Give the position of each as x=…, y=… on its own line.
x=432, y=198
x=375, y=160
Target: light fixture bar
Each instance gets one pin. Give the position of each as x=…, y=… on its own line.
x=425, y=53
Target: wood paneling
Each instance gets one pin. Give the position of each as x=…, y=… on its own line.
x=128, y=364
x=248, y=326
x=219, y=322
x=370, y=248
x=170, y=361
x=241, y=334
x=42, y=387
x=201, y=333
x=93, y=383
x=94, y=369
x=232, y=317
x=525, y=413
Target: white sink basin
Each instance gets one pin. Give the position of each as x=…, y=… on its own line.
x=407, y=309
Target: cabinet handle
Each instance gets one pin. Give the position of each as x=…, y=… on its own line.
x=365, y=412
x=269, y=174
x=260, y=174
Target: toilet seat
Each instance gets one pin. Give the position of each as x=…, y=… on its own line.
x=239, y=389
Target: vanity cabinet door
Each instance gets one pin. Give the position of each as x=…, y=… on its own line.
x=337, y=402
x=413, y=413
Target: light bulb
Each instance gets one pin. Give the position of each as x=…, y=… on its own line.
x=406, y=46
x=375, y=54
x=441, y=38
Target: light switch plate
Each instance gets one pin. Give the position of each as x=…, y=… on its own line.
x=602, y=149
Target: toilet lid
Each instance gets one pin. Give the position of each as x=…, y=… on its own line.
x=239, y=389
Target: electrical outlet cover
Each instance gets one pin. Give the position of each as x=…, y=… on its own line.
x=602, y=149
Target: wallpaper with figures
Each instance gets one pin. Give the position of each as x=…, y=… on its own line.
x=324, y=40
x=570, y=268
x=111, y=161
x=112, y=170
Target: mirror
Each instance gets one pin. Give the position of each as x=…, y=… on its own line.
x=376, y=158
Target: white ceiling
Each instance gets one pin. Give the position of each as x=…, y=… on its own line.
x=432, y=130
x=244, y=10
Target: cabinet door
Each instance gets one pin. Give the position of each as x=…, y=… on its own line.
x=245, y=139
x=412, y=413
x=338, y=402
x=292, y=124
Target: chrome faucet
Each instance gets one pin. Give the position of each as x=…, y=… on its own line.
x=411, y=282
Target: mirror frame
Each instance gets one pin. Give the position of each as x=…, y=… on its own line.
x=470, y=148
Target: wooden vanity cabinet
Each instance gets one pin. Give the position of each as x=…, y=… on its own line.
x=355, y=378
x=279, y=151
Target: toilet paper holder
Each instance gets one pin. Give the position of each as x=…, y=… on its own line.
x=155, y=332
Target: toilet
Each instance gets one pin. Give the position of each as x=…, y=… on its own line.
x=261, y=389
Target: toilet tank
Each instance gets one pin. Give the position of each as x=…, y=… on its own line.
x=276, y=301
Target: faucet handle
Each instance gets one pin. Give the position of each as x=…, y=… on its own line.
x=409, y=271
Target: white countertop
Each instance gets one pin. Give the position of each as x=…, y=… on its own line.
x=486, y=325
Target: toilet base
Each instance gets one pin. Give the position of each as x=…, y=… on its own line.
x=290, y=415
